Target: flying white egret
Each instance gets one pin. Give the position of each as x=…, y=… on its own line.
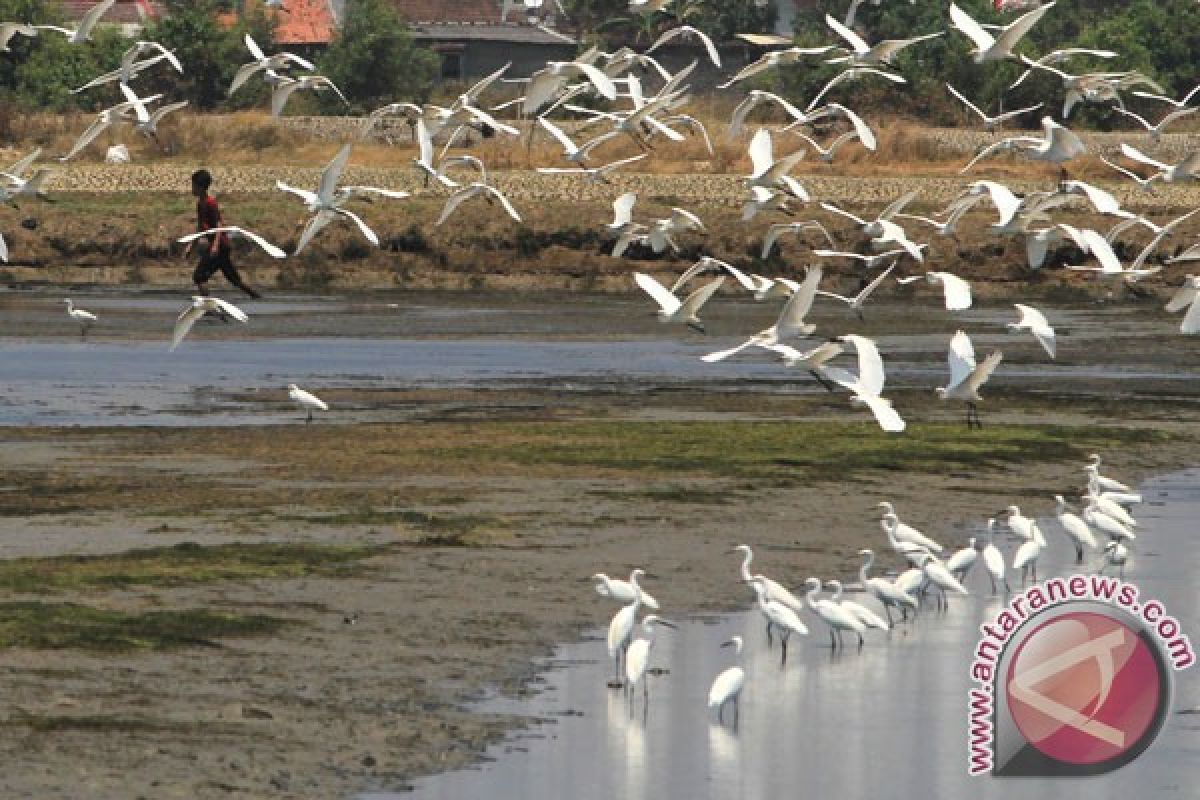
x=1035, y=322
x=835, y=617
x=103, y=121
x=637, y=657
x=862, y=54
x=624, y=591
x=327, y=201
x=856, y=303
x=773, y=59
x=489, y=193
x=1185, y=297
x=883, y=590
x=623, y=225
x=264, y=62
x=813, y=360
x=1057, y=145
x=1076, y=529
x=869, y=261
x=688, y=32
x=575, y=154
x=1057, y=57
x=967, y=377
x=781, y=228
x=234, y=232
x=306, y=401
x=86, y=319
x=753, y=100
x=826, y=154
x=200, y=306
x=547, y=82
x=961, y=562
x=995, y=48
x=851, y=74
x=82, y=33
x=671, y=309
x=1181, y=172
x=727, y=686
x=283, y=92
x=1115, y=555
x=867, y=386
x=883, y=230
x=993, y=559
x=956, y=292
x=991, y=124
x=779, y=616
x=1156, y=129
x=790, y=324
x=769, y=172
x=863, y=614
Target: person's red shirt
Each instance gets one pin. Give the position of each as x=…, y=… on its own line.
x=208, y=216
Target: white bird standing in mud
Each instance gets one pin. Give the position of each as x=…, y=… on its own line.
x=993, y=559
x=624, y=591
x=86, y=319
x=637, y=658
x=836, y=618
x=306, y=401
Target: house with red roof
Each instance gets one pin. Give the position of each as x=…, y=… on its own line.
x=131, y=15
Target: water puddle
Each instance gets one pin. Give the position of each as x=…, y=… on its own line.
x=889, y=721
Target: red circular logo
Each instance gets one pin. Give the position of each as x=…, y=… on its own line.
x=1084, y=688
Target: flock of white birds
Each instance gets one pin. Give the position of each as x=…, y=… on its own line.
x=646, y=116
x=1104, y=517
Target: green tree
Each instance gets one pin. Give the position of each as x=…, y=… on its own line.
x=374, y=60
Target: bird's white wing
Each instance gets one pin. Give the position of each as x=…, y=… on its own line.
x=979, y=376
x=956, y=291
x=315, y=225
x=280, y=95
x=1191, y=320
x=1129, y=151
x=184, y=322
x=698, y=298
x=332, y=174
x=721, y=355
x=761, y=157
x=454, y=201
x=229, y=308
x=973, y=30
x=1101, y=200
x=856, y=42
x=97, y=127
x=507, y=206
x=791, y=318
x=960, y=357
x=93, y=16
x=1037, y=324
x=887, y=416
x=668, y=302
x=567, y=145
x=1184, y=296
x=602, y=82
x=158, y=115
x=870, y=365
x=1013, y=33
x=255, y=51
x=1098, y=246
x=305, y=195
x=3, y=249
x=362, y=226
x=899, y=204
x=835, y=210
x=623, y=209
x=244, y=73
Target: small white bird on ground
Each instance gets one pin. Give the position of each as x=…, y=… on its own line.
x=1035, y=322
x=774, y=590
x=993, y=559
x=86, y=319
x=307, y=402
x=200, y=306
x=864, y=615
x=624, y=591
x=620, y=635
x=727, y=686
x=1115, y=555
x=907, y=533
x=966, y=377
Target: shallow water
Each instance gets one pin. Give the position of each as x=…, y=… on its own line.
x=889, y=721
x=231, y=375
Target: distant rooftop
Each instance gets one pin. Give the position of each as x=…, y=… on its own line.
x=125, y=12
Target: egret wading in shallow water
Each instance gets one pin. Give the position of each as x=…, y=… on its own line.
x=624, y=591
x=637, y=659
x=727, y=686
x=307, y=402
x=961, y=562
x=993, y=559
x=883, y=590
x=778, y=615
x=863, y=614
x=834, y=616
x=940, y=577
x=1076, y=529
x=86, y=319
x=620, y=635
x=774, y=590
x=1115, y=555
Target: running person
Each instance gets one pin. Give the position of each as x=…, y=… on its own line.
x=215, y=250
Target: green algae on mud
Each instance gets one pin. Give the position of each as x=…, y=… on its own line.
x=58, y=626
x=183, y=564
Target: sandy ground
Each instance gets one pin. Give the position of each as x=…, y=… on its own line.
x=481, y=564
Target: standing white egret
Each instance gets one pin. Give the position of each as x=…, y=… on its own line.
x=863, y=614
x=624, y=591
x=620, y=635
x=1112, y=528
x=993, y=559
x=637, y=657
x=86, y=319
x=940, y=577
x=779, y=616
x=1076, y=529
x=904, y=532
x=727, y=686
x=775, y=591
x=200, y=306
x=883, y=590
x=1105, y=502
x=1104, y=482
x=1115, y=555
x=966, y=377
x=1020, y=524
x=306, y=401
x=1025, y=559
x=838, y=619
x=961, y=562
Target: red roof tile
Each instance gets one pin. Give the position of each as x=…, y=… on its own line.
x=460, y=11
x=304, y=22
